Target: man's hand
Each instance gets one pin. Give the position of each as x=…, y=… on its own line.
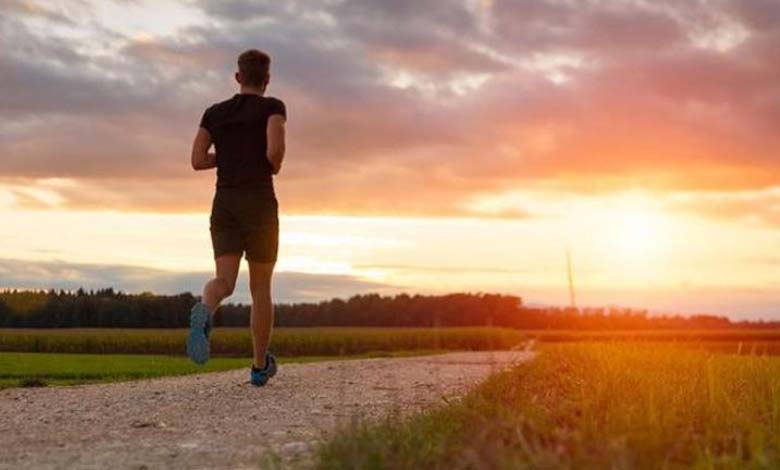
x=201, y=158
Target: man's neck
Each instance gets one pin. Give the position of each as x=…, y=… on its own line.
x=248, y=90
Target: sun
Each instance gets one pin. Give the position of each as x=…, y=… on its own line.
x=638, y=233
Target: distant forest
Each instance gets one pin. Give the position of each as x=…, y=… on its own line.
x=109, y=308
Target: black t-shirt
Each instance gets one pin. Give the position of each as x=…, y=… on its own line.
x=238, y=131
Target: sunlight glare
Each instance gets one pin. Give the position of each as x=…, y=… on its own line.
x=638, y=234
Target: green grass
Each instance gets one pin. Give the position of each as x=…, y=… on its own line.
x=237, y=341
x=590, y=407
x=31, y=369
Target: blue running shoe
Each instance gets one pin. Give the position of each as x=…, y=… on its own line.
x=198, y=339
x=259, y=377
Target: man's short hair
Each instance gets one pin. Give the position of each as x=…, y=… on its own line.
x=254, y=66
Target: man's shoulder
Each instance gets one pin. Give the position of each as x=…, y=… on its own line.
x=272, y=103
x=275, y=106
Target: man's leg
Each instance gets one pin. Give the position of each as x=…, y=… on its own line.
x=223, y=284
x=262, y=318
x=200, y=315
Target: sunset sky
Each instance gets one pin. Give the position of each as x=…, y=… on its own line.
x=434, y=146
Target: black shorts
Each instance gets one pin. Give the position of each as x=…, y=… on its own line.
x=244, y=220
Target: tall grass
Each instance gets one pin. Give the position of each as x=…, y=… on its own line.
x=237, y=341
x=591, y=407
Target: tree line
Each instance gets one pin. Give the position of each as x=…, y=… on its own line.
x=108, y=308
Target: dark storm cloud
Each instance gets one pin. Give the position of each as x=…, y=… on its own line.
x=669, y=95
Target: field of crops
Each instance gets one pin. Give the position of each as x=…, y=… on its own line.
x=234, y=342
x=734, y=335
x=348, y=341
x=591, y=406
x=733, y=341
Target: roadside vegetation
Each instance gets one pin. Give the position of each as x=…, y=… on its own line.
x=590, y=406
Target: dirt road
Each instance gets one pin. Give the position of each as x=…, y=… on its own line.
x=219, y=420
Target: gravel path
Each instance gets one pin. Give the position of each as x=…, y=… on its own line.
x=219, y=420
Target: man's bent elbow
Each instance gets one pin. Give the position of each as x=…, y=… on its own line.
x=200, y=163
x=275, y=159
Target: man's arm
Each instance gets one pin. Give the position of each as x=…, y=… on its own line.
x=275, y=139
x=201, y=158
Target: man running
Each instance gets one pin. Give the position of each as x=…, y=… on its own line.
x=248, y=133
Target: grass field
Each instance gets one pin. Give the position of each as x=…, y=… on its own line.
x=39, y=369
x=237, y=342
x=591, y=407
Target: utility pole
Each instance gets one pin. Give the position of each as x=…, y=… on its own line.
x=571, y=279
